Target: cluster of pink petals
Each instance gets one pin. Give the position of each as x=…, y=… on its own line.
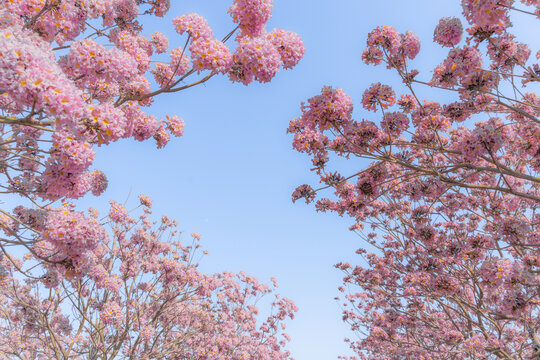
x=160, y=42
x=195, y=25
x=505, y=53
x=211, y=54
x=92, y=62
x=98, y=182
x=487, y=12
x=175, y=125
x=255, y=59
x=136, y=45
x=31, y=77
x=289, y=45
x=459, y=63
x=385, y=37
x=258, y=55
x=410, y=45
x=34, y=218
x=386, y=41
x=485, y=138
x=378, y=95
x=66, y=171
x=108, y=123
x=331, y=106
x=72, y=237
x=111, y=313
x=162, y=136
x=118, y=213
x=160, y=7
x=251, y=15
x=165, y=74
x=72, y=154
x=394, y=123
x=448, y=32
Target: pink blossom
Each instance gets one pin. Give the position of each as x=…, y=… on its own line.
x=145, y=201
x=251, y=15
x=289, y=45
x=161, y=136
x=98, y=182
x=111, y=313
x=175, y=125
x=195, y=25
x=448, y=32
x=118, y=213
x=410, y=45
x=378, y=95
x=394, y=123
x=386, y=37
x=160, y=42
x=255, y=59
x=211, y=55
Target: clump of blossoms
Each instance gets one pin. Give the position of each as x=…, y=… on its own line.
x=70, y=238
x=449, y=196
x=255, y=59
x=251, y=15
x=289, y=45
x=134, y=283
x=448, y=32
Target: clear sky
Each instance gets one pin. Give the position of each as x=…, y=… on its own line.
x=230, y=177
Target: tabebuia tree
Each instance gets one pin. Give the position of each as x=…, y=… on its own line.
x=446, y=194
x=133, y=292
x=77, y=75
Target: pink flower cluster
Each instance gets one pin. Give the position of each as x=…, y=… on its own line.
x=330, y=107
x=175, y=125
x=378, y=95
x=108, y=123
x=119, y=213
x=289, y=45
x=166, y=74
x=487, y=12
x=394, y=123
x=385, y=41
x=160, y=42
x=44, y=85
x=111, y=313
x=258, y=55
x=93, y=62
x=66, y=171
x=485, y=138
x=136, y=45
x=211, y=54
x=505, y=53
x=195, y=25
x=255, y=59
x=73, y=238
x=251, y=15
x=458, y=65
x=448, y=32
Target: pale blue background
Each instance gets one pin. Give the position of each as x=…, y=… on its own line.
x=230, y=177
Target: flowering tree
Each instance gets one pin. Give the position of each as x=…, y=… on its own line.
x=79, y=74
x=136, y=295
x=75, y=74
x=451, y=193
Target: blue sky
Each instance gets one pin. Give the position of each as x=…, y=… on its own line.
x=230, y=177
